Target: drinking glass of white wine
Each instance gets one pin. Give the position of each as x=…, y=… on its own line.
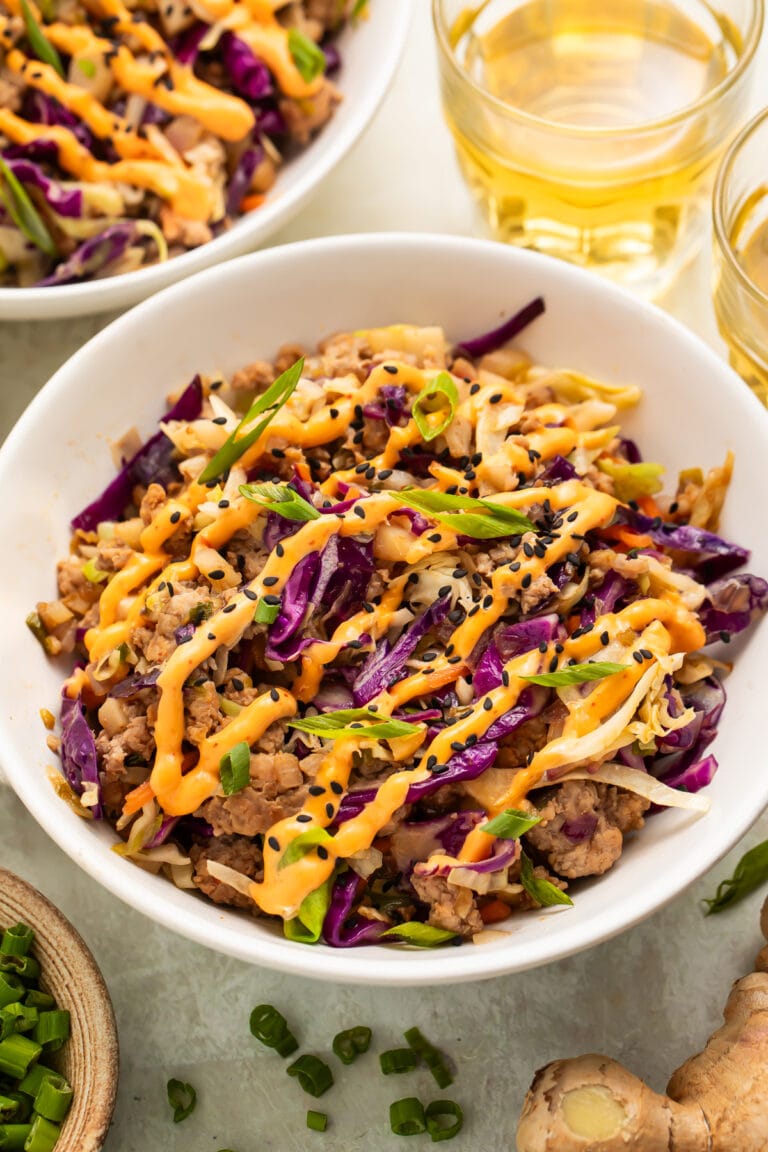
x=591, y=129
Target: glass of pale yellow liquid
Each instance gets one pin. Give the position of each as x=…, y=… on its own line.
x=591, y=129
x=740, y=211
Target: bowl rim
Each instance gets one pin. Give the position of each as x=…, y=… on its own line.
x=360, y=966
x=96, y=296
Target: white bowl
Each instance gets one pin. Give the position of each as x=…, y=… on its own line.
x=57, y=458
x=371, y=51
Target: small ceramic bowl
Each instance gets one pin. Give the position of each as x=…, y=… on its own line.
x=89, y=1060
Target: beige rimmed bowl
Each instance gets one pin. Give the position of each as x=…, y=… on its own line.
x=89, y=1060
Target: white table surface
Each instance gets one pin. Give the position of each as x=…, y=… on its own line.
x=648, y=998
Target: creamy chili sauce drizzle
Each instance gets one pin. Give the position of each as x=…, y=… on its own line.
x=659, y=625
x=157, y=76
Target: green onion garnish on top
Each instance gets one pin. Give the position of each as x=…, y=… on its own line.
x=22, y=211
x=271, y=1028
x=268, y=404
x=182, y=1097
x=351, y=1043
x=235, y=769
x=39, y=42
x=313, y=1074
x=439, y=396
x=576, y=674
x=511, y=824
x=308, y=57
x=480, y=519
x=280, y=498
x=302, y=844
x=420, y=935
x=359, y=722
x=266, y=613
x=406, y=1117
x=542, y=891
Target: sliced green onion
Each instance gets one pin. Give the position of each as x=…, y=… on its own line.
x=9, y=1109
x=40, y=1000
x=23, y=1106
x=25, y=967
x=510, y=824
x=88, y=68
x=17, y=941
x=39, y=42
x=317, y=1121
x=398, y=1060
x=308, y=925
x=308, y=57
x=266, y=613
x=14, y=1137
x=302, y=844
x=33, y=1080
x=42, y=1135
x=542, y=891
x=313, y=1074
x=270, y=1027
x=351, y=1043
x=359, y=722
x=93, y=574
x=750, y=873
x=17, y=1054
x=10, y=988
x=442, y=389
x=200, y=612
x=23, y=212
x=406, y=1117
x=230, y=707
x=481, y=519
x=631, y=481
x=235, y=769
x=434, y=1059
x=54, y=1098
x=419, y=935
x=434, y=1114
x=282, y=499
x=270, y=402
x=576, y=674
x=182, y=1097
x=52, y=1029
x=38, y=630
x=24, y=1018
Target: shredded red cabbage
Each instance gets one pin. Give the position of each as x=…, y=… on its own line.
x=65, y=201
x=713, y=556
x=79, y=759
x=93, y=255
x=341, y=929
x=250, y=76
x=731, y=605
x=384, y=666
x=134, y=683
x=490, y=341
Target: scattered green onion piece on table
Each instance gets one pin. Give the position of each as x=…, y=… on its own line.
x=313, y=1074
x=576, y=674
x=438, y=1109
x=542, y=891
x=16, y=941
x=750, y=872
x=317, y=1121
x=442, y=388
x=270, y=1027
x=23, y=212
x=14, y=1137
x=406, y=1117
x=419, y=935
x=270, y=402
x=308, y=57
x=52, y=1029
x=280, y=498
x=182, y=1097
x=54, y=1098
x=235, y=769
x=398, y=1060
x=39, y=42
x=432, y=1057
x=17, y=1054
x=266, y=613
x=510, y=824
x=42, y=1135
x=351, y=1043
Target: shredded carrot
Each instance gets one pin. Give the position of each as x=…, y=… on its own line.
x=494, y=912
x=648, y=505
x=618, y=534
x=138, y=798
x=248, y=203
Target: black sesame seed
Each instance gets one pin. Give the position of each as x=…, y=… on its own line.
x=455, y=659
x=526, y=580
x=272, y=600
x=269, y=581
x=637, y=657
x=303, y=818
x=495, y=398
x=237, y=684
x=459, y=573
x=316, y=790
x=274, y=695
x=370, y=473
x=559, y=648
x=646, y=654
x=475, y=388
x=219, y=420
x=211, y=635
x=528, y=550
x=674, y=507
x=474, y=611
x=333, y=413
x=358, y=511
x=216, y=574
x=391, y=368
x=336, y=787
x=434, y=538
x=431, y=761
x=604, y=638
x=470, y=474
x=725, y=637
x=457, y=746
x=439, y=769
x=385, y=473
x=229, y=608
x=322, y=852
x=224, y=503
x=487, y=601
x=514, y=566
x=274, y=843
x=175, y=517
x=330, y=811
x=553, y=664
x=250, y=594
x=487, y=704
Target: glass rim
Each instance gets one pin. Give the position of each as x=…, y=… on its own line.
x=751, y=41
x=719, y=224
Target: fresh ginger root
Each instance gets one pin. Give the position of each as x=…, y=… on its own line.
x=716, y=1102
